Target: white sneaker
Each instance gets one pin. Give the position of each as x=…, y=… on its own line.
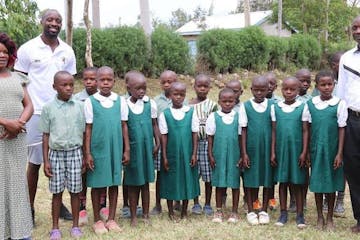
x=83, y=218
x=252, y=218
x=264, y=218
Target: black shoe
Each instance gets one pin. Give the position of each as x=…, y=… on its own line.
x=282, y=219
x=65, y=214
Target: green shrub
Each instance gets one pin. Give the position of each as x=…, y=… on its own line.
x=304, y=51
x=278, y=48
x=169, y=51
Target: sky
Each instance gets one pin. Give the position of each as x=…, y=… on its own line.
x=113, y=12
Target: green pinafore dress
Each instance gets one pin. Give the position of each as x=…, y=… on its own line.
x=181, y=181
x=258, y=147
x=141, y=168
x=289, y=145
x=226, y=152
x=106, y=145
x=323, y=149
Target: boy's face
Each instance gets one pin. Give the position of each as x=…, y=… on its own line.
x=236, y=87
x=166, y=81
x=305, y=81
x=202, y=88
x=325, y=85
x=137, y=88
x=89, y=81
x=177, y=96
x=290, y=89
x=64, y=85
x=259, y=91
x=227, y=102
x=105, y=82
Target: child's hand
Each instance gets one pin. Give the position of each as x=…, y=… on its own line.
x=126, y=158
x=302, y=160
x=273, y=160
x=47, y=169
x=83, y=165
x=193, y=160
x=212, y=161
x=14, y=127
x=245, y=161
x=156, y=150
x=89, y=162
x=166, y=164
x=338, y=161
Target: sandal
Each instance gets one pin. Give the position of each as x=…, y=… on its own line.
x=76, y=232
x=55, y=234
x=99, y=227
x=111, y=225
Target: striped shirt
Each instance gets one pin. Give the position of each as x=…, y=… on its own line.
x=202, y=111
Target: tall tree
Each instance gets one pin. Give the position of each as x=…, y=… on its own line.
x=88, y=49
x=145, y=16
x=279, y=22
x=16, y=13
x=95, y=13
x=69, y=21
x=247, y=12
x=179, y=18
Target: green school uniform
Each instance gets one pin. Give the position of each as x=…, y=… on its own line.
x=106, y=145
x=258, y=146
x=141, y=167
x=323, y=149
x=289, y=145
x=226, y=152
x=181, y=181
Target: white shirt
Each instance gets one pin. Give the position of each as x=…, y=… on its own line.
x=41, y=63
x=106, y=102
x=138, y=106
x=227, y=118
x=348, y=87
x=259, y=107
x=342, y=113
x=178, y=114
x=290, y=108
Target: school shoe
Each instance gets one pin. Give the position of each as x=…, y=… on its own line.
x=112, y=226
x=325, y=206
x=272, y=204
x=233, y=218
x=252, y=218
x=257, y=205
x=139, y=211
x=83, y=218
x=99, y=227
x=154, y=211
x=104, y=214
x=218, y=217
x=292, y=206
x=55, y=234
x=208, y=210
x=196, y=209
x=300, y=221
x=76, y=232
x=65, y=214
x=282, y=219
x=125, y=212
x=264, y=217
x=339, y=210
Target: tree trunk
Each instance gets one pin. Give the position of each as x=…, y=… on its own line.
x=69, y=22
x=279, y=23
x=326, y=29
x=145, y=16
x=96, y=13
x=247, y=12
x=88, y=57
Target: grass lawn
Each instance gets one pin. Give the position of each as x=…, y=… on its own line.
x=195, y=227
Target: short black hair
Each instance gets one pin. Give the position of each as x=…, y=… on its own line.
x=225, y=90
x=324, y=73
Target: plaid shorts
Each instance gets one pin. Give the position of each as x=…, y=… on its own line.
x=203, y=161
x=66, y=169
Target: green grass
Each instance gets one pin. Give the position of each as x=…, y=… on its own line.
x=195, y=227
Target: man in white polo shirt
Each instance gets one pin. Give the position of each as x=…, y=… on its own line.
x=40, y=58
x=349, y=90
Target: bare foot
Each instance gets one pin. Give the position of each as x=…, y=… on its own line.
x=133, y=222
x=355, y=229
x=320, y=223
x=173, y=218
x=330, y=226
x=146, y=219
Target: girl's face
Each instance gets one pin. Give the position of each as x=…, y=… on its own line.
x=202, y=88
x=227, y=102
x=137, y=89
x=290, y=89
x=89, y=81
x=105, y=82
x=325, y=85
x=4, y=56
x=177, y=96
x=305, y=81
x=259, y=91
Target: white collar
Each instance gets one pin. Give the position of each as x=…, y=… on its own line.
x=222, y=114
x=282, y=104
x=143, y=100
x=263, y=103
x=182, y=109
x=113, y=96
x=332, y=101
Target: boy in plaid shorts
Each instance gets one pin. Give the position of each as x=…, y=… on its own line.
x=202, y=108
x=63, y=124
